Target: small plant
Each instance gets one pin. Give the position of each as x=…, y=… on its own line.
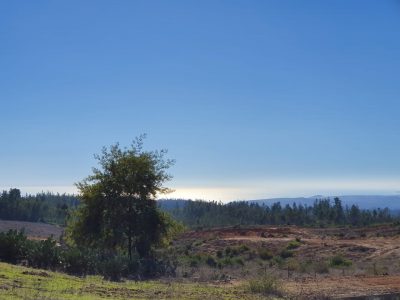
x=266, y=285
x=278, y=260
x=226, y=261
x=293, y=245
x=211, y=261
x=320, y=267
x=286, y=253
x=239, y=261
x=340, y=261
x=231, y=252
x=265, y=254
x=243, y=248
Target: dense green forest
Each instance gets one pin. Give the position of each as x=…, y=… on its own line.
x=55, y=208
x=323, y=212
x=42, y=207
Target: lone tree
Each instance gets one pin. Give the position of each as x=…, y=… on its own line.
x=118, y=211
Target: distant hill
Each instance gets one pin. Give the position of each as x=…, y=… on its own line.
x=363, y=201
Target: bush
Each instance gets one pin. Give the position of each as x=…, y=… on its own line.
x=265, y=254
x=13, y=246
x=211, y=261
x=231, y=252
x=321, y=267
x=286, y=253
x=340, y=261
x=44, y=254
x=78, y=261
x=114, y=267
x=266, y=285
x=243, y=248
x=239, y=261
x=293, y=245
x=278, y=260
x=227, y=261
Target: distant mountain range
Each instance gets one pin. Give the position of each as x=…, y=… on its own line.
x=363, y=201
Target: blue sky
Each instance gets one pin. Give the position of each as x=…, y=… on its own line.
x=253, y=99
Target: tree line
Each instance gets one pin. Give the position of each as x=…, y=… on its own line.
x=56, y=208
x=323, y=212
x=42, y=207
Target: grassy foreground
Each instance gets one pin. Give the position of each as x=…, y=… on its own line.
x=18, y=282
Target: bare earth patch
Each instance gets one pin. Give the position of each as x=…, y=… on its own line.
x=38, y=231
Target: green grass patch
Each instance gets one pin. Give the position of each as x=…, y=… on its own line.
x=18, y=282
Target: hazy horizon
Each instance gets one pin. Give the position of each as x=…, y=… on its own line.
x=226, y=194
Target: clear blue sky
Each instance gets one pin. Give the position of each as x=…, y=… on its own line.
x=253, y=99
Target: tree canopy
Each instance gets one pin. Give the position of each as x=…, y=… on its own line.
x=118, y=211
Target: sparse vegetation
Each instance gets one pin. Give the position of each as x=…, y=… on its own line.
x=293, y=245
x=265, y=285
x=340, y=261
x=265, y=254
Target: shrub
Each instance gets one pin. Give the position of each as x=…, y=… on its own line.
x=293, y=265
x=321, y=267
x=211, y=261
x=305, y=266
x=340, y=261
x=193, y=262
x=265, y=254
x=219, y=254
x=243, y=248
x=286, y=253
x=266, y=285
x=114, y=267
x=293, y=245
x=279, y=261
x=13, y=246
x=227, y=261
x=78, y=261
x=239, y=261
x=44, y=254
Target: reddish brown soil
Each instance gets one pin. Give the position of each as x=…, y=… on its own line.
x=374, y=251
x=343, y=287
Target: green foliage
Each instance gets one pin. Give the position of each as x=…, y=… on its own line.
x=79, y=261
x=235, y=251
x=227, y=261
x=239, y=261
x=114, y=267
x=265, y=254
x=286, y=253
x=18, y=282
x=293, y=245
x=118, y=211
x=42, y=207
x=324, y=212
x=211, y=261
x=266, y=285
x=44, y=254
x=13, y=246
x=340, y=261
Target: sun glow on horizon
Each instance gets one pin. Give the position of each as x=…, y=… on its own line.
x=257, y=189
